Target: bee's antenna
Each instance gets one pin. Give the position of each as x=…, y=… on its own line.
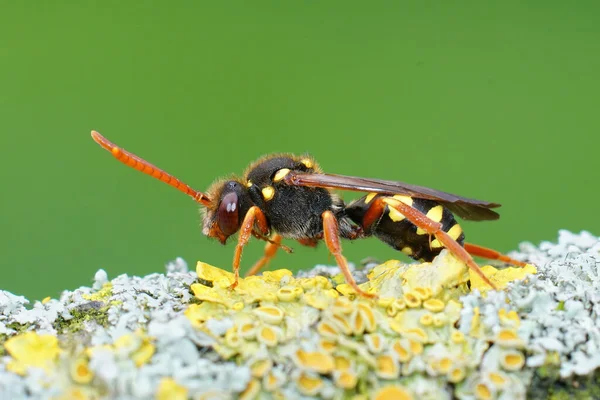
x=144, y=166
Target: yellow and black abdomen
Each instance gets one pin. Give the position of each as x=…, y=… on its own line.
x=391, y=227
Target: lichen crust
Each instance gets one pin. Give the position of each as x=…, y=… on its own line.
x=435, y=331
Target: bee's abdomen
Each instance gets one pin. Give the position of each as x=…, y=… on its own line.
x=395, y=230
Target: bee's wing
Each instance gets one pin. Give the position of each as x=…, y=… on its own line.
x=469, y=209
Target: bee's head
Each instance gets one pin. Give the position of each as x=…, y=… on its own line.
x=230, y=202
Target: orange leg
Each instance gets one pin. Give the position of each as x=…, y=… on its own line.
x=254, y=215
x=332, y=239
x=273, y=244
x=309, y=242
x=484, y=252
x=435, y=229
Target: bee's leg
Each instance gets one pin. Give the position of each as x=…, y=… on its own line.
x=490, y=254
x=309, y=242
x=271, y=247
x=434, y=228
x=332, y=239
x=254, y=215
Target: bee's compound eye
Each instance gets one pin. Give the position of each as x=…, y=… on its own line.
x=227, y=217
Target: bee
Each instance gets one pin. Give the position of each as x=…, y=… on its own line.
x=288, y=196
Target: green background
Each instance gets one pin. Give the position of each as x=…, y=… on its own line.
x=497, y=101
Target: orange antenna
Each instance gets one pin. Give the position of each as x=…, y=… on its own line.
x=144, y=166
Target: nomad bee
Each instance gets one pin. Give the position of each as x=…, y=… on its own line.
x=288, y=196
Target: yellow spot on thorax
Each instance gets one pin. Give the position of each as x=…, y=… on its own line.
x=249, y=184
x=279, y=175
x=268, y=193
x=308, y=163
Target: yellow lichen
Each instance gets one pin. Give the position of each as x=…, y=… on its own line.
x=101, y=295
x=322, y=283
x=509, y=318
x=342, y=323
x=343, y=305
x=416, y=334
x=169, y=389
x=475, y=324
x=342, y=363
x=271, y=382
x=137, y=345
x=444, y=364
x=209, y=294
x=277, y=275
x=77, y=393
x=345, y=289
x=412, y=299
x=417, y=306
x=80, y=371
x=395, y=392
x=269, y=314
x=508, y=337
x=440, y=320
x=385, y=302
x=512, y=360
x=387, y=368
x=267, y=335
x=327, y=330
x=457, y=337
x=426, y=319
x=232, y=338
x=395, y=307
x=482, y=392
x=416, y=347
x=456, y=374
x=251, y=391
x=434, y=305
x=498, y=379
x=368, y=317
x=446, y=272
x=345, y=379
x=322, y=363
x=207, y=272
x=317, y=300
x=402, y=349
x=328, y=345
x=144, y=353
x=289, y=293
x=259, y=368
x=500, y=278
x=199, y=313
x=423, y=293
x=31, y=350
x=247, y=330
x=374, y=342
x=309, y=385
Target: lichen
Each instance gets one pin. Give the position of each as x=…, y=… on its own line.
x=434, y=332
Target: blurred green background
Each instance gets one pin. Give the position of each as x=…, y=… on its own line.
x=497, y=102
